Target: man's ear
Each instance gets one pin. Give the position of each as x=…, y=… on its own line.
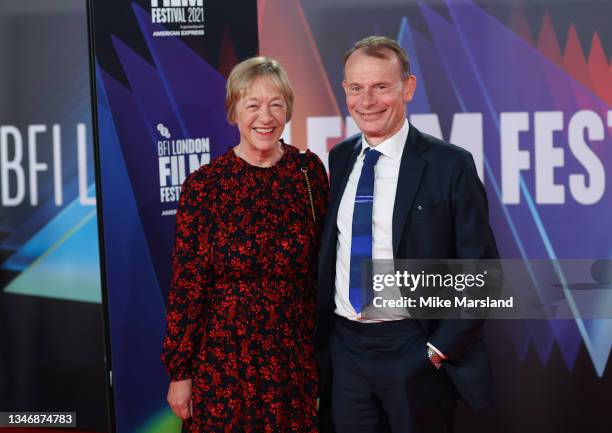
x=409, y=87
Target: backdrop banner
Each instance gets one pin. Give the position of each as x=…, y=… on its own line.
x=160, y=73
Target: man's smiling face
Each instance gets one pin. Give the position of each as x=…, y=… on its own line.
x=376, y=94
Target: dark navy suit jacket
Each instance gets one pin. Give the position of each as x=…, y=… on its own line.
x=440, y=212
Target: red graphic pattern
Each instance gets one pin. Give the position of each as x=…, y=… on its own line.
x=242, y=304
x=593, y=70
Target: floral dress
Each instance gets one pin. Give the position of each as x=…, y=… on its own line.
x=241, y=309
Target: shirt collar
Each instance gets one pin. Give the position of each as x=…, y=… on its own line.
x=392, y=147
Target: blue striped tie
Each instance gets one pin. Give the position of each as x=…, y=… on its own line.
x=360, y=283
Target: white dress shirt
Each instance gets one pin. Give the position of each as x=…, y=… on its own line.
x=386, y=173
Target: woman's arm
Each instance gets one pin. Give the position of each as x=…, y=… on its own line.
x=185, y=297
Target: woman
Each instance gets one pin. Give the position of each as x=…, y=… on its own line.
x=241, y=308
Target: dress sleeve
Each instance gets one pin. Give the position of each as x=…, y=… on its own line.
x=189, y=278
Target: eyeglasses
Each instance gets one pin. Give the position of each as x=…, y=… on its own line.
x=378, y=89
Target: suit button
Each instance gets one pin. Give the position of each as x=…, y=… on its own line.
x=419, y=207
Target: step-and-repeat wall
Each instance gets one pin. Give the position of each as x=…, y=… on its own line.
x=525, y=86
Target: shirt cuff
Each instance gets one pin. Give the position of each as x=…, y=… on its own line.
x=435, y=349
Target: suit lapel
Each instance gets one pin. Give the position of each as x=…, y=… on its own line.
x=344, y=170
x=411, y=171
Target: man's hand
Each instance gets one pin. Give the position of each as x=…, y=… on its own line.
x=179, y=398
x=434, y=358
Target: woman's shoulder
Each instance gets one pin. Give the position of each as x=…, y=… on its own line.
x=207, y=172
x=202, y=181
x=307, y=155
x=199, y=177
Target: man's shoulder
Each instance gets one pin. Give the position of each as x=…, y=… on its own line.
x=346, y=145
x=435, y=147
x=438, y=148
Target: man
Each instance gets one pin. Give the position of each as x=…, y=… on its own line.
x=420, y=198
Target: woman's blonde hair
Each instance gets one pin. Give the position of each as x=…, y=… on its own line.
x=246, y=72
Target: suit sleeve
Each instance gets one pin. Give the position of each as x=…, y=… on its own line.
x=189, y=278
x=473, y=240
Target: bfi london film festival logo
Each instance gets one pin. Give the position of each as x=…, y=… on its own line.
x=177, y=159
x=179, y=17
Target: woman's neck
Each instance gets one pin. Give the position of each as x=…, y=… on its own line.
x=266, y=158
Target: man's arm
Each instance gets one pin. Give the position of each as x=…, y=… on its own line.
x=473, y=240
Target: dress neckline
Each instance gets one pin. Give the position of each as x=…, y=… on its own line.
x=245, y=163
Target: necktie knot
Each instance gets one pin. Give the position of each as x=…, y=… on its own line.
x=371, y=156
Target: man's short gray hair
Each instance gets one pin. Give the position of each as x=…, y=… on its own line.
x=379, y=47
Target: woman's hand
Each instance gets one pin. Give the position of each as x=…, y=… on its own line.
x=179, y=398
